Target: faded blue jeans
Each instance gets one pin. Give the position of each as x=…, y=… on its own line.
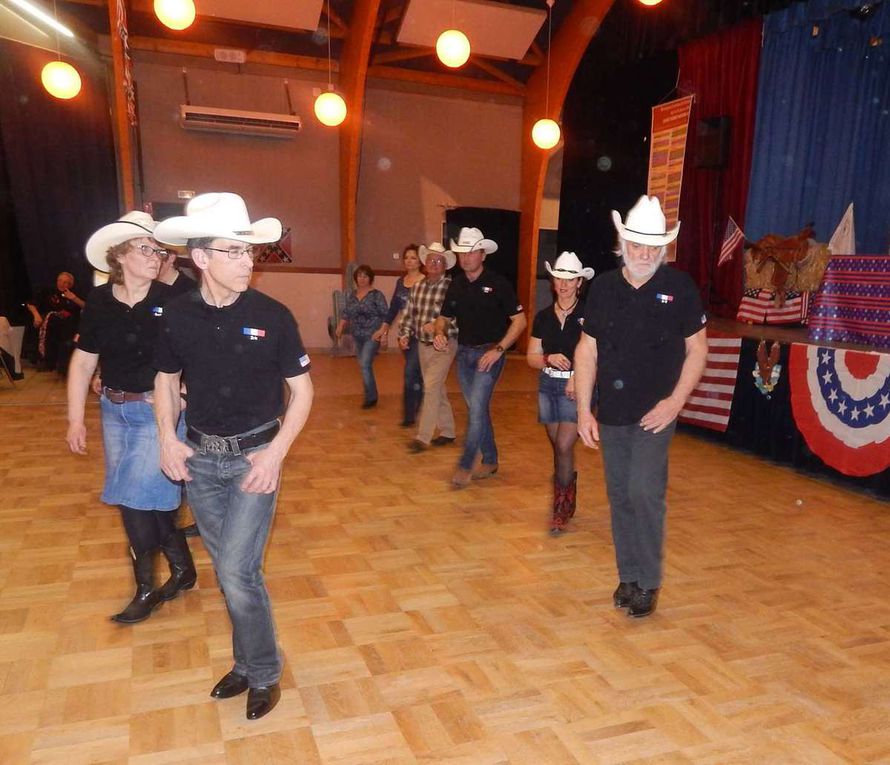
x=365, y=351
x=477, y=388
x=235, y=527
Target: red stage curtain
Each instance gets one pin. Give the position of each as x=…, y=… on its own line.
x=721, y=72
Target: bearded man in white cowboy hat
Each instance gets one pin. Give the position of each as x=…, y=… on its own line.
x=233, y=347
x=489, y=320
x=644, y=343
x=419, y=321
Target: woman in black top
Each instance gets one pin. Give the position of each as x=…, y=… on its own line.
x=119, y=327
x=555, y=333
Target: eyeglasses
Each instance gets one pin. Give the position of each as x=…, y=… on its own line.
x=235, y=253
x=148, y=251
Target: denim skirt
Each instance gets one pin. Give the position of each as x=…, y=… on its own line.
x=133, y=475
x=553, y=405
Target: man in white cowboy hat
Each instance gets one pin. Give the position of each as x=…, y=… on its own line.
x=232, y=346
x=489, y=320
x=419, y=320
x=644, y=343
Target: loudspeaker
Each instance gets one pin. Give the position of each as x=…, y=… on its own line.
x=712, y=142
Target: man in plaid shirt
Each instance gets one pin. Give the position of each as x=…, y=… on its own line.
x=419, y=320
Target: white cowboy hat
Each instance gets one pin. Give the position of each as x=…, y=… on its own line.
x=470, y=239
x=645, y=224
x=438, y=247
x=133, y=225
x=568, y=266
x=220, y=215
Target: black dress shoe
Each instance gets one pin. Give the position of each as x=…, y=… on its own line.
x=262, y=700
x=442, y=440
x=406, y=423
x=231, y=685
x=643, y=603
x=191, y=530
x=369, y=404
x=623, y=596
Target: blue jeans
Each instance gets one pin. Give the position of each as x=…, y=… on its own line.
x=477, y=388
x=413, y=392
x=365, y=351
x=234, y=527
x=636, y=467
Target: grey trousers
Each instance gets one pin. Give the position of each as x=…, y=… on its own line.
x=636, y=466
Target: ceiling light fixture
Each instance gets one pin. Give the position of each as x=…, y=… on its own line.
x=175, y=14
x=649, y=3
x=546, y=132
x=59, y=78
x=453, y=46
x=37, y=13
x=330, y=108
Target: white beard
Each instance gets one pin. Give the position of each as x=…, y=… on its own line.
x=640, y=270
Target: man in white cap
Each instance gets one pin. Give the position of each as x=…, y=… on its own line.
x=419, y=321
x=489, y=320
x=233, y=347
x=644, y=343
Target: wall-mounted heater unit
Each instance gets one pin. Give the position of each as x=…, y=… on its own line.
x=239, y=122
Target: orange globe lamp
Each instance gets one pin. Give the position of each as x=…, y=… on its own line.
x=61, y=80
x=175, y=14
x=453, y=48
x=545, y=133
x=330, y=108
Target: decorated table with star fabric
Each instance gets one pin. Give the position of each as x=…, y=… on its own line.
x=823, y=410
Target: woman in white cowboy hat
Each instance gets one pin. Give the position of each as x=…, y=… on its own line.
x=555, y=333
x=118, y=328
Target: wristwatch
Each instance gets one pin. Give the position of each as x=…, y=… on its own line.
x=499, y=348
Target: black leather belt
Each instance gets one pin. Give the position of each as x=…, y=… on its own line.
x=231, y=444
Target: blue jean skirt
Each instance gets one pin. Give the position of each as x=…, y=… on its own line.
x=133, y=475
x=553, y=405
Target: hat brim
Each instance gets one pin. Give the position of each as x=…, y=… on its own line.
x=559, y=273
x=488, y=246
x=450, y=257
x=180, y=229
x=109, y=236
x=640, y=237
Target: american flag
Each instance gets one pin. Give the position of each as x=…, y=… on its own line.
x=733, y=237
x=711, y=400
x=759, y=307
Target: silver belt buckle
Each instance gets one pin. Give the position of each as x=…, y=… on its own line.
x=215, y=444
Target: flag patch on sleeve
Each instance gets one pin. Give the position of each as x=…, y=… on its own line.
x=304, y=360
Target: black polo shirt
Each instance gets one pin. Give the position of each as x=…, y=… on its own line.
x=233, y=359
x=124, y=337
x=555, y=338
x=640, y=338
x=482, y=307
x=183, y=284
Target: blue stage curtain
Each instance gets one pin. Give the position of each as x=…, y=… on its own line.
x=823, y=123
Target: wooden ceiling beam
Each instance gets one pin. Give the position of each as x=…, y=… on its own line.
x=566, y=50
x=121, y=124
x=494, y=71
x=353, y=76
x=402, y=54
x=335, y=19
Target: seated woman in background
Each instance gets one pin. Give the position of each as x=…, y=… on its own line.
x=551, y=348
x=364, y=312
x=412, y=393
x=55, y=314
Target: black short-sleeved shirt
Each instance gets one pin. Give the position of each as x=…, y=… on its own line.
x=182, y=285
x=124, y=337
x=233, y=359
x=640, y=338
x=482, y=307
x=555, y=338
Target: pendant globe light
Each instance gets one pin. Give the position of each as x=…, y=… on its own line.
x=175, y=14
x=650, y=3
x=59, y=78
x=453, y=46
x=330, y=108
x=546, y=132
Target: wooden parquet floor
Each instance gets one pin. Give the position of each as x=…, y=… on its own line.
x=426, y=625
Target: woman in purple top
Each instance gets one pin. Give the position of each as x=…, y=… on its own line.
x=364, y=312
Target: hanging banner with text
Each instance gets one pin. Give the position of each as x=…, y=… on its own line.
x=667, y=152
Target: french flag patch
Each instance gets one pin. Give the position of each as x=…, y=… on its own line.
x=662, y=298
x=253, y=333
x=157, y=310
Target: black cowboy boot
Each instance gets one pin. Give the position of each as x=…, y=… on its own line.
x=146, y=598
x=182, y=568
x=571, y=492
x=559, y=517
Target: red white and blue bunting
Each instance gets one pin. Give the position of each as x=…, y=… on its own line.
x=841, y=404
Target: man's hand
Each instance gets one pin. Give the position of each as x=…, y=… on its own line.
x=77, y=437
x=96, y=385
x=489, y=358
x=559, y=361
x=429, y=327
x=38, y=320
x=265, y=470
x=174, y=453
x=380, y=335
x=661, y=415
x=588, y=429
x=404, y=342
x=440, y=342
x=570, y=389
